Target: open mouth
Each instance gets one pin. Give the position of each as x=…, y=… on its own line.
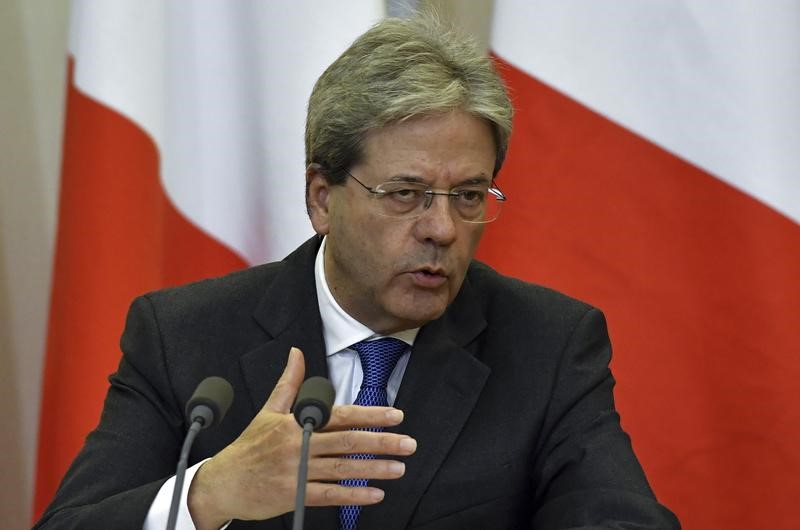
x=429, y=278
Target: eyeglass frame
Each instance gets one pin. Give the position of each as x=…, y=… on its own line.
x=429, y=195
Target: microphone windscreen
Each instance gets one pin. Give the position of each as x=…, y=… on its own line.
x=314, y=402
x=215, y=393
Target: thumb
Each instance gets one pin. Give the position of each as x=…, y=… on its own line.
x=284, y=393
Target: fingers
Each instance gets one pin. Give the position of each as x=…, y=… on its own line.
x=285, y=391
x=321, y=494
x=338, y=438
x=361, y=442
x=355, y=416
x=326, y=493
x=335, y=469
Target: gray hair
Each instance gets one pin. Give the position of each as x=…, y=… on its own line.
x=399, y=69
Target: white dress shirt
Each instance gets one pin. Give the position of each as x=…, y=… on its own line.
x=340, y=331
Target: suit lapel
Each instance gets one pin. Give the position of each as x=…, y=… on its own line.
x=440, y=388
x=289, y=314
x=441, y=385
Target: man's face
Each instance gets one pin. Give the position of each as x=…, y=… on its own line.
x=392, y=274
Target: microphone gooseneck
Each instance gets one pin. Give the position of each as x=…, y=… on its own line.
x=312, y=410
x=211, y=400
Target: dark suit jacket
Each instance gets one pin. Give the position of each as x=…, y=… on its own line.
x=508, y=394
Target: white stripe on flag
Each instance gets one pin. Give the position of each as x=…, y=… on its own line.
x=222, y=89
x=715, y=83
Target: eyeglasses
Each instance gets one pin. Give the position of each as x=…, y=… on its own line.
x=474, y=203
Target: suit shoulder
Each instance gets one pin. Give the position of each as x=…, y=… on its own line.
x=243, y=288
x=509, y=297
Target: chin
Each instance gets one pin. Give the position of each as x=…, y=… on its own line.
x=415, y=308
x=420, y=314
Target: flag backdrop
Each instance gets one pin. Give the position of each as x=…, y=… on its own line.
x=654, y=171
x=183, y=158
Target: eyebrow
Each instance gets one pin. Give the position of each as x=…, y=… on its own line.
x=481, y=179
x=406, y=178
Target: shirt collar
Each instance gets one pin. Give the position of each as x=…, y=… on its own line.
x=339, y=329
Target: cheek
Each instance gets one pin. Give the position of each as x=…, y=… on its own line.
x=373, y=249
x=468, y=242
x=467, y=245
x=475, y=234
x=387, y=239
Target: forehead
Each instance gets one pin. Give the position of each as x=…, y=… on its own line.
x=449, y=146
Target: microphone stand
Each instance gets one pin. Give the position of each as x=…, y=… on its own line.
x=206, y=408
x=180, y=473
x=312, y=410
x=302, y=477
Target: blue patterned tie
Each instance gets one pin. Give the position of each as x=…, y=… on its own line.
x=378, y=359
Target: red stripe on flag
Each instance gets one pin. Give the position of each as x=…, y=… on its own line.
x=701, y=284
x=118, y=236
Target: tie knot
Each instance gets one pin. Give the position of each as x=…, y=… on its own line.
x=378, y=359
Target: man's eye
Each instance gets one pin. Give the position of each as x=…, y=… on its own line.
x=471, y=197
x=405, y=195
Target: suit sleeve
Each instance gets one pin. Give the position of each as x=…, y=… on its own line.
x=135, y=446
x=587, y=474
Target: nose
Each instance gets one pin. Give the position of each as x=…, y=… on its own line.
x=437, y=223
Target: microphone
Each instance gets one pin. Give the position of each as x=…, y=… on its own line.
x=312, y=410
x=211, y=400
x=314, y=402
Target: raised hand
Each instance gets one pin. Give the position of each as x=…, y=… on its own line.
x=255, y=477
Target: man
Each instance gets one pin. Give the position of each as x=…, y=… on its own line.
x=502, y=413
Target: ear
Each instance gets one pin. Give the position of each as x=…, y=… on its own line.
x=318, y=194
